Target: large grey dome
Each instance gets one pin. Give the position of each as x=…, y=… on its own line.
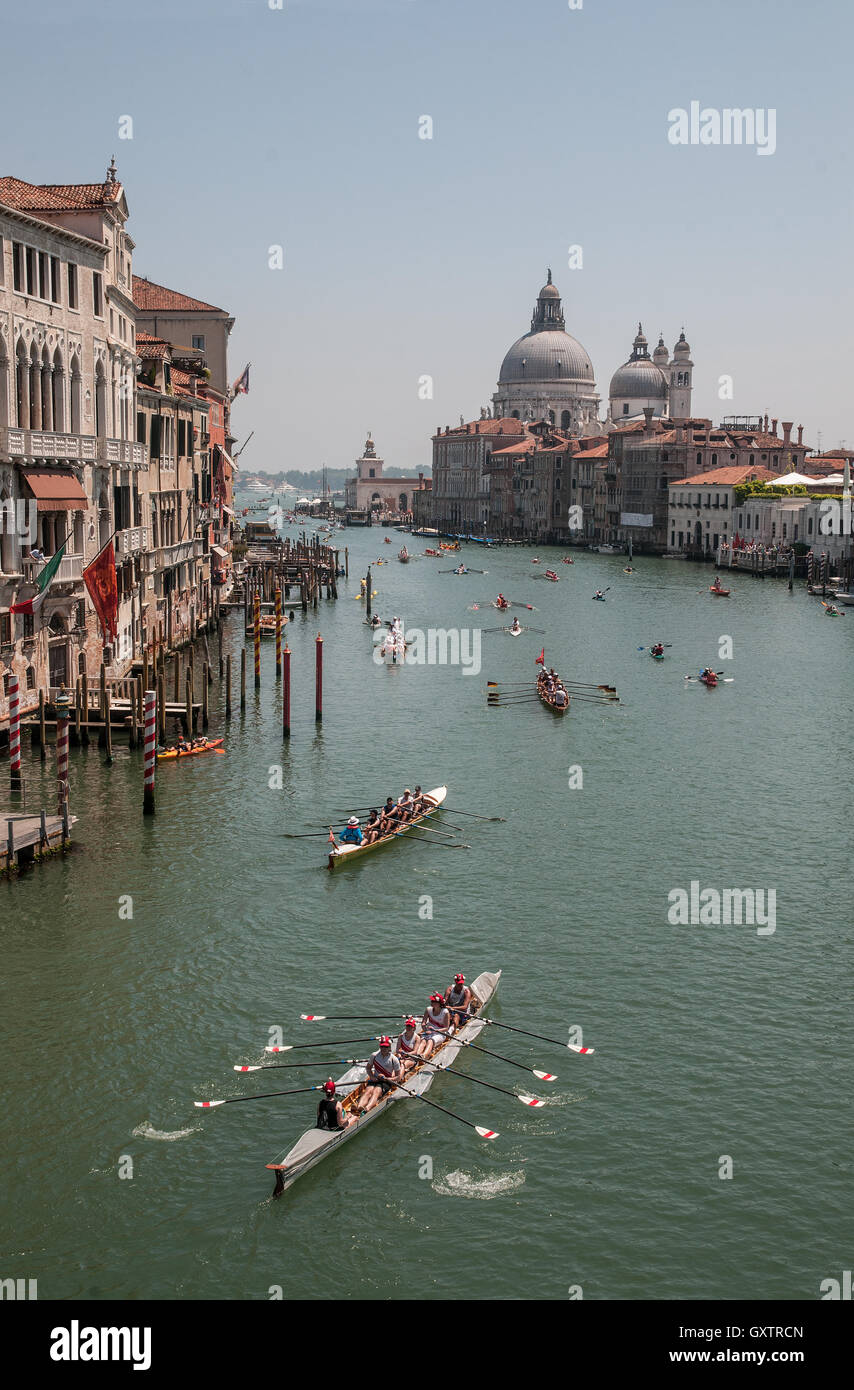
x=549, y=355
x=638, y=380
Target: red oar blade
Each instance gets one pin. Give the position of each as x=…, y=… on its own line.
x=313, y=1018
x=545, y=1076
x=288, y=1048
x=585, y=1051
x=486, y=1133
x=530, y=1100
x=207, y=1104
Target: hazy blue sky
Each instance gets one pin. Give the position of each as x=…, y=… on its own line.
x=403, y=257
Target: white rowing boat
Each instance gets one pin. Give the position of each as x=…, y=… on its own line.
x=344, y=854
x=317, y=1144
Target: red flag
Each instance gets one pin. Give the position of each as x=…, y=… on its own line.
x=100, y=580
x=331, y=840
x=541, y=659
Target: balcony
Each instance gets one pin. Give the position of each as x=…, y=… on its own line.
x=131, y=542
x=27, y=445
x=167, y=556
x=70, y=569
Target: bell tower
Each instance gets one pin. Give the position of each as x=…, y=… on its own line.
x=681, y=371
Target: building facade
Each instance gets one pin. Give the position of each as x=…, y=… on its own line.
x=372, y=490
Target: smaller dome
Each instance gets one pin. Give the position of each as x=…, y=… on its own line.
x=549, y=291
x=659, y=357
x=640, y=380
x=682, y=349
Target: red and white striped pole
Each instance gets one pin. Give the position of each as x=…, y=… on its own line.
x=15, y=733
x=150, y=738
x=62, y=762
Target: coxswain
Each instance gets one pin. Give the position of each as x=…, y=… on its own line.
x=406, y=1045
x=352, y=833
x=435, y=1024
x=383, y=1069
x=372, y=827
x=330, y=1111
x=458, y=999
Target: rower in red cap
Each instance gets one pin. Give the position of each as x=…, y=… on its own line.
x=383, y=1070
x=406, y=1045
x=458, y=1000
x=330, y=1112
x=434, y=1025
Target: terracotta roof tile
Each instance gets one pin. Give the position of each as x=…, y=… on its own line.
x=727, y=477
x=57, y=197
x=150, y=296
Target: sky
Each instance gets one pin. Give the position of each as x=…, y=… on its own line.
x=257, y=127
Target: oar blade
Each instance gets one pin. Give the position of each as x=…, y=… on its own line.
x=208, y=1104
x=238, y=1068
x=287, y=1048
x=313, y=1018
x=549, y=1076
x=531, y=1101
x=486, y=1133
x=584, y=1051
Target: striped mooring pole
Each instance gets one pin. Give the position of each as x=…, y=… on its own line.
x=15, y=734
x=257, y=637
x=62, y=764
x=318, y=678
x=278, y=633
x=149, y=742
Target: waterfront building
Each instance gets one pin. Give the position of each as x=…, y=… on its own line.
x=651, y=381
x=67, y=399
x=461, y=473
x=547, y=374
x=702, y=511
x=374, y=491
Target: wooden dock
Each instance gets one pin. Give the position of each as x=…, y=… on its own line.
x=25, y=838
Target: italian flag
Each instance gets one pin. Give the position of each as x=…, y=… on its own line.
x=43, y=581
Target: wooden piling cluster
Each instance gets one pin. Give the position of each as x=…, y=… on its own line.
x=305, y=566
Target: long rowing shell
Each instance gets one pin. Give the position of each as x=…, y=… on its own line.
x=548, y=700
x=317, y=1144
x=345, y=854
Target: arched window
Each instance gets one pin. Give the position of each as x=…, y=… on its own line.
x=699, y=460
x=515, y=415
x=565, y=419
x=35, y=390
x=56, y=626
x=58, y=393
x=22, y=386
x=714, y=460
x=401, y=502
x=100, y=401
x=4, y=386
x=557, y=484
x=31, y=677
x=551, y=417
x=76, y=394
x=47, y=391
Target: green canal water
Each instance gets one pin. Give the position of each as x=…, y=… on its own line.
x=711, y=1041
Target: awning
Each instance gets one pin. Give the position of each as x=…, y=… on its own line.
x=218, y=550
x=229, y=510
x=55, y=492
x=229, y=460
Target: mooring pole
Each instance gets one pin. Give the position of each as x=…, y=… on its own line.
x=256, y=633
x=62, y=767
x=148, y=752
x=278, y=633
x=15, y=734
x=318, y=678
x=286, y=694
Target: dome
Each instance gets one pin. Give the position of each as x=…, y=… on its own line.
x=547, y=355
x=682, y=348
x=549, y=291
x=638, y=380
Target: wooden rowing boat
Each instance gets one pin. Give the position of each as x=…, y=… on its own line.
x=345, y=854
x=548, y=700
x=403, y=556
x=317, y=1144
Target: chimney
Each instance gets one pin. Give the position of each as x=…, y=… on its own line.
x=787, y=431
x=766, y=424
x=647, y=420
x=774, y=427
x=800, y=434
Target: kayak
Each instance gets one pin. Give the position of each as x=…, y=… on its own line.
x=598, y=598
x=657, y=656
x=211, y=744
x=719, y=593
x=710, y=681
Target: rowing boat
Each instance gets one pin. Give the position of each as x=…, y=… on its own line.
x=657, y=656
x=209, y=746
x=548, y=699
x=718, y=591
x=317, y=1144
x=550, y=574
x=345, y=854
x=403, y=556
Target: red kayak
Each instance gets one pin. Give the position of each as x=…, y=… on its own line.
x=716, y=589
x=550, y=574
x=710, y=681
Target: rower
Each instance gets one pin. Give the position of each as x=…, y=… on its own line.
x=388, y=817
x=458, y=999
x=372, y=827
x=405, y=1047
x=418, y=802
x=434, y=1025
x=501, y=601
x=658, y=649
x=515, y=626
x=560, y=696
x=405, y=806
x=352, y=833
x=330, y=1112
x=383, y=1069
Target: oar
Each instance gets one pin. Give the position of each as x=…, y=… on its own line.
x=484, y=1133
x=438, y=844
x=266, y=1095
x=542, y=1075
x=526, y=685
x=539, y=1036
x=287, y=1066
x=333, y=1042
x=646, y=649
x=350, y=1018
x=525, y=1100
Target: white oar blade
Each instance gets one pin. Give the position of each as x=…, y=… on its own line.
x=207, y=1104
x=585, y=1051
x=545, y=1076
x=312, y=1018
x=487, y=1133
x=247, y=1068
x=530, y=1100
x=288, y=1048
